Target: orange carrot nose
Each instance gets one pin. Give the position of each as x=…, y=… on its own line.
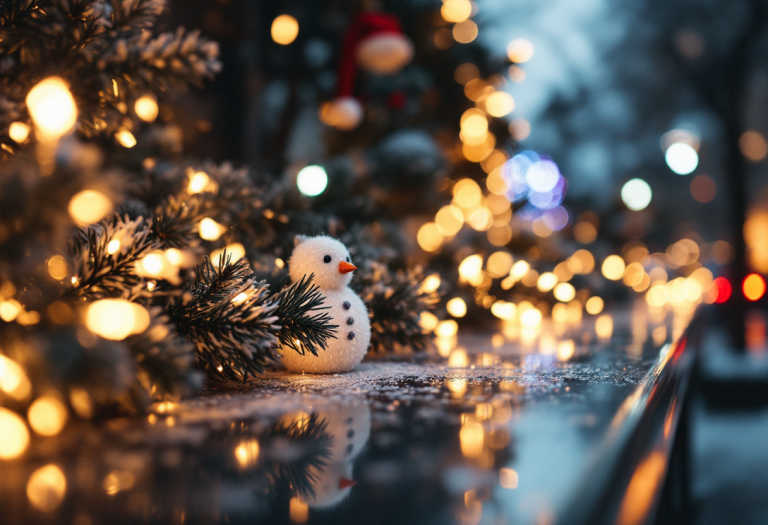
x=345, y=267
x=344, y=483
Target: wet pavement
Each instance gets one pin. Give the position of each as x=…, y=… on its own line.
x=490, y=432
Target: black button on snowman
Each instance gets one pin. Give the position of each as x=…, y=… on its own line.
x=328, y=259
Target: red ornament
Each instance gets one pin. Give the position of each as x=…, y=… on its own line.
x=374, y=41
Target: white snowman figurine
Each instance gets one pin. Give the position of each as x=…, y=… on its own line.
x=329, y=261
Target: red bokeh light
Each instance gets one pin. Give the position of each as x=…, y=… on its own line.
x=724, y=289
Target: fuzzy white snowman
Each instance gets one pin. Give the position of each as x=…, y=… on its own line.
x=328, y=259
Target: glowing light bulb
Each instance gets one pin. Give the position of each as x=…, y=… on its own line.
x=89, y=206
x=285, y=29
x=472, y=437
x=594, y=305
x=546, y=282
x=235, y=252
x=125, y=138
x=447, y=328
x=198, y=182
x=564, y=292
x=146, y=108
x=13, y=379
x=636, y=194
x=298, y=511
x=429, y=237
x=456, y=307
x=14, y=436
x=753, y=287
x=431, y=283
x=18, y=131
x=47, y=416
x=312, y=180
x=428, y=321
x=52, y=108
x=116, y=319
x=211, y=230
x=681, y=158
x=46, y=488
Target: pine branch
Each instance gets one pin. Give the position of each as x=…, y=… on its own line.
x=395, y=303
x=301, y=330
x=165, y=361
x=176, y=221
x=230, y=319
x=104, y=271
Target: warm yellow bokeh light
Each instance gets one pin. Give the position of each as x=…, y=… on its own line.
x=465, y=32
x=18, y=131
x=430, y=284
x=116, y=319
x=47, y=415
x=125, y=138
x=499, y=264
x=456, y=307
x=89, y=206
x=428, y=321
x=455, y=11
x=247, y=452
x=613, y=267
x=235, y=252
x=531, y=318
x=198, y=182
x=519, y=269
x=499, y=104
x=146, y=108
x=472, y=437
x=447, y=328
x=547, y=281
x=211, y=230
x=57, y=267
x=520, y=50
x=566, y=349
x=504, y=310
x=471, y=267
x=564, y=292
x=14, y=436
x=46, y=488
x=298, y=510
x=594, y=305
x=13, y=379
x=604, y=327
x=52, y=108
x=474, y=124
x=285, y=29
x=429, y=237
x=458, y=359
x=449, y=220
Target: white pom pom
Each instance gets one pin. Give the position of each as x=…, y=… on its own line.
x=344, y=113
x=385, y=53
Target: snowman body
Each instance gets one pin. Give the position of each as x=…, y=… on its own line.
x=328, y=260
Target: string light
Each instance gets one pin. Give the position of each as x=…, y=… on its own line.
x=456, y=307
x=146, y=108
x=46, y=488
x=681, y=158
x=116, y=319
x=247, y=453
x=13, y=379
x=125, y=138
x=52, y=108
x=18, y=131
x=211, y=230
x=47, y=416
x=14, y=436
x=455, y=11
x=88, y=207
x=298, y=511
x=613, y=267
x=636, y=194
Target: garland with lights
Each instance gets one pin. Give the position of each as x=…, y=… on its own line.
x=104, y=302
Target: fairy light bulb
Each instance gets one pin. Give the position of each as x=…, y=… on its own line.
x=146, y=108
x=52, y=108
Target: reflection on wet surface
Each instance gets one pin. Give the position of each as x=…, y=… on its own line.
x=481, y=431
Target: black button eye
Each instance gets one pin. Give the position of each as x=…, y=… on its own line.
x=347, y=258
x=327, y=259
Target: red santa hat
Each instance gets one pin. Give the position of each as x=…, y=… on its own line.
x=375, y=42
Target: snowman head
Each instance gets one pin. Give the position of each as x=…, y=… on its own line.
x=325, y=257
